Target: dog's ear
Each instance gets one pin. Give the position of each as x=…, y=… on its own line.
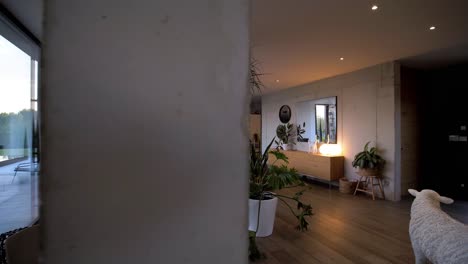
x=413, y=192
x=445, y=200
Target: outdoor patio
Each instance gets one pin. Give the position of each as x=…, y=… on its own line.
x=18, y=197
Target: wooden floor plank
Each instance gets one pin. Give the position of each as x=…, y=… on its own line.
x=345, y=229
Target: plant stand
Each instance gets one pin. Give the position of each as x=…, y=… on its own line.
x=369, y=181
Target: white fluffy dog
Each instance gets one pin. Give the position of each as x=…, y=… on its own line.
x=436, y=236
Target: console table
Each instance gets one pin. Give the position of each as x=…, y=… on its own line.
x=323, y=167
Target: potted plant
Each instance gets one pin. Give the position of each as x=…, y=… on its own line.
x=284, y=132
x=264, y=180
x=368, y=162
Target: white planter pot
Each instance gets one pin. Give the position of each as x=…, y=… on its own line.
x=267, y=216
x=289, y=146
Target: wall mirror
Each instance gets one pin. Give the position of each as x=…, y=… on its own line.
x=284, y=114
x=325, y=122
x=318, y=119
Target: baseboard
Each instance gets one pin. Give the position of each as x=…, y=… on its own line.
x=317, y=181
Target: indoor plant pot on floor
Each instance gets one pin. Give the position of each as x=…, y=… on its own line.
x=264, y=180
x=265, y=219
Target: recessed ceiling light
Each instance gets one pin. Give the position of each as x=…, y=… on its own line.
x=277, y=81
x=341, y=58
x=432, y=28
x=374, y=7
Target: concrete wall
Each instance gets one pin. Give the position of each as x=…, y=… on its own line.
x=366, y=112
x=139, y=98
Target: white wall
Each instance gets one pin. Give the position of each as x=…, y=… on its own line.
x=366, y=112
x=139, y=98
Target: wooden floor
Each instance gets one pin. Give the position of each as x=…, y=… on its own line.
x=344, y=229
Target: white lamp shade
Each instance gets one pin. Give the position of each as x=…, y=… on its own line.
x=330, y=149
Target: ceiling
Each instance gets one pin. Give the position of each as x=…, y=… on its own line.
x=300, y=41
x=28, y=12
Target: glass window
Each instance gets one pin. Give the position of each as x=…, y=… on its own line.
x=19, y=133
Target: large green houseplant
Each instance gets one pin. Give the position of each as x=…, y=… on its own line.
x=265, y=179
x=368, y=162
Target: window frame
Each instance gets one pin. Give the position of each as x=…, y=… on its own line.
x=16, y=33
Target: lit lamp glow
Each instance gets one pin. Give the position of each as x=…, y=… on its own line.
x=330, y=149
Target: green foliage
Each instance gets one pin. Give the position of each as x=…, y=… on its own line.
x=254, y=252
x=265, y=179
x=284, y=132
x=13, y=127
x=368, y=159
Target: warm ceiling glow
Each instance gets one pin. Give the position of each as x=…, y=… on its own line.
x=375, y=7
x=330, y=149
x=341, y=58
x=277, y=80
x=432, y=28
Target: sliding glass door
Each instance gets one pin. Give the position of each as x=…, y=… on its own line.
x=19, y=136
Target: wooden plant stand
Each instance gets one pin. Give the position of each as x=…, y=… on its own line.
x=369, y=180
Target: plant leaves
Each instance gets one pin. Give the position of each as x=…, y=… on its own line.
x=368, y=158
